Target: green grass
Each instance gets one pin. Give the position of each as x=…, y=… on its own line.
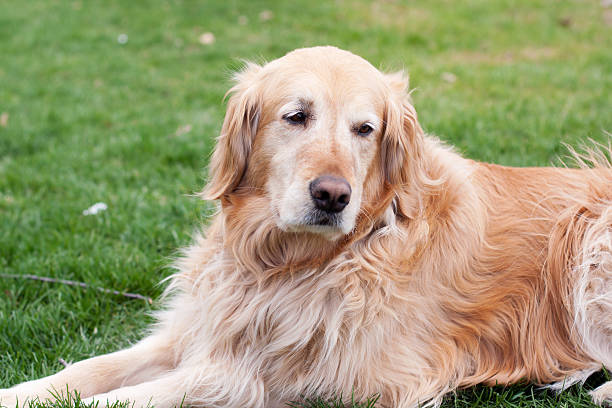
x=89, y=119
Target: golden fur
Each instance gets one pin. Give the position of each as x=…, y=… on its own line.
x=442, y=272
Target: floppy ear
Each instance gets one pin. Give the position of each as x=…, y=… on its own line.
x=229, y=159
x=402, y=141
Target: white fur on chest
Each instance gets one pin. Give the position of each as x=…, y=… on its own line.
x=313, y=331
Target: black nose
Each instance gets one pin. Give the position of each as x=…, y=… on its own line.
x=330, y=194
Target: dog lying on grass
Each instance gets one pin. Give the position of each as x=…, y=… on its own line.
x=354, y=254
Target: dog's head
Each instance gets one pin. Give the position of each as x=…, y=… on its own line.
x=322, y=134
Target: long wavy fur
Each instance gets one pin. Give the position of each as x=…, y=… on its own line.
x=457, y=273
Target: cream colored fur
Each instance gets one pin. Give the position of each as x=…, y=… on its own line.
x=441, y=273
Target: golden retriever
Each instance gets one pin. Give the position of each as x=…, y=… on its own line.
x=352, y=253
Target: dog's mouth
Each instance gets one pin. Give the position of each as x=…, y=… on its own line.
x=328, y=225
x=322, y=218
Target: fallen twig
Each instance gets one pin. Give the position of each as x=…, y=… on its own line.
x=76, y=283
x=64, y=362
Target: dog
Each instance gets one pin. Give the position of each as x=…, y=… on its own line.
x=354, y=254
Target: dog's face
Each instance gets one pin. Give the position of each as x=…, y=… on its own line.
x=321, y=133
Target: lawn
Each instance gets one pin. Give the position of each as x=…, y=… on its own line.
x=119, y=102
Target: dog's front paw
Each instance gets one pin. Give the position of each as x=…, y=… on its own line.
x=603, y=395
x=8, y=399
x=12, y=398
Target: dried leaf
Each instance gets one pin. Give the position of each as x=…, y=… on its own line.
x=449, y=77
x=183, y=130
x=207, y=38
x=96, y=208
x=266, y=15
x=565, y=21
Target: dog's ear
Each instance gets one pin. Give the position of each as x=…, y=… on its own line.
x=402, y=141
x=229, y=159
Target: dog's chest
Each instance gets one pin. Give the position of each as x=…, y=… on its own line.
x=291, y=322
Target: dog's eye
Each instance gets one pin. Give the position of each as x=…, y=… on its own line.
x=364, y=129
x=296, y=118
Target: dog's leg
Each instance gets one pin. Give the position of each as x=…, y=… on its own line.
x=593, y=297
x=142, y=362
x=205, y=385
x=603, y=394
x=593, y=290
x=165, y=392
